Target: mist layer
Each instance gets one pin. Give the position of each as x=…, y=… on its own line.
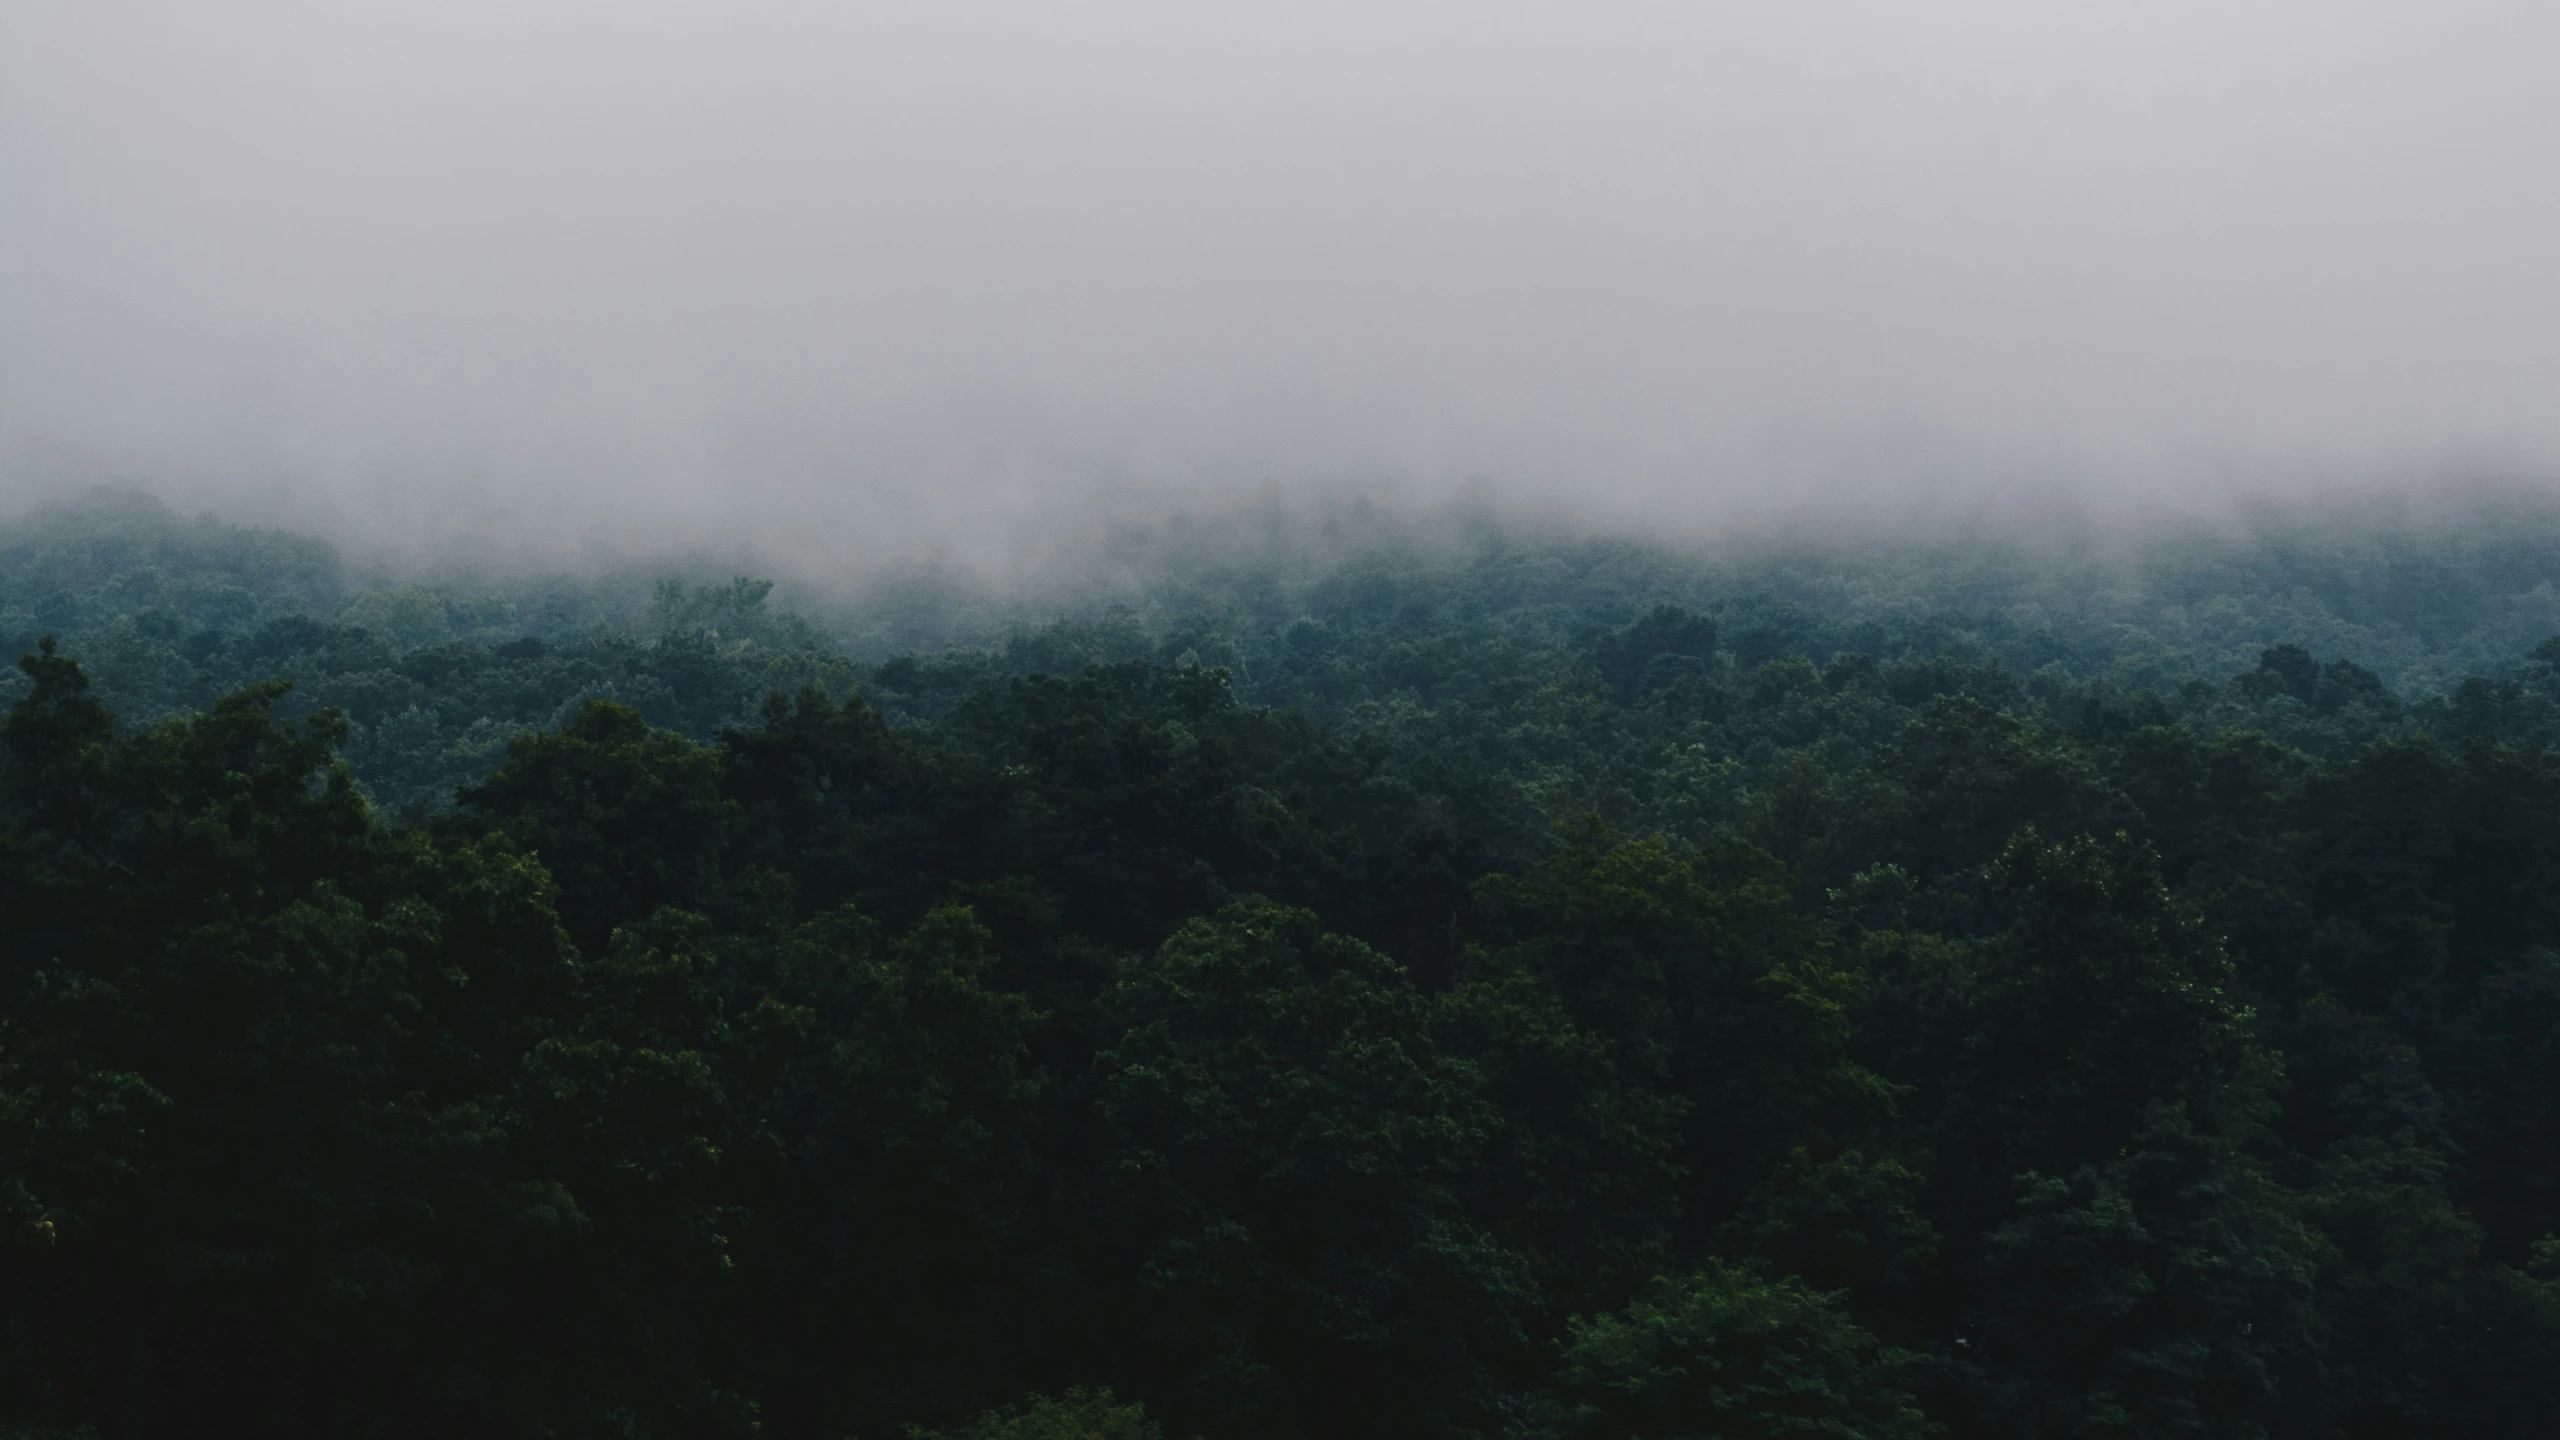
x=563, y=278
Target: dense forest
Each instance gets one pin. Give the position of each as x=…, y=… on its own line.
x=1374, y=983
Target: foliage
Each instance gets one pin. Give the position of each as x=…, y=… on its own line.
x=1077, y=1415
x=1727, y=1353
x=1315, y=999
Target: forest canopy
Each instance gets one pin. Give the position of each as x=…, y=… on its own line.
x=1515, y=985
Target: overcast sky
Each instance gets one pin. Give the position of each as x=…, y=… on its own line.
x=842, y=276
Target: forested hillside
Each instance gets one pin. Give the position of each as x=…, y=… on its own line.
x=1483, y=987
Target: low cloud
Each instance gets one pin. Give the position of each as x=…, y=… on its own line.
x=853, y=284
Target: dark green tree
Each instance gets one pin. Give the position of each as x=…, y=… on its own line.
x=1726, y=1353
x=1288, y=1150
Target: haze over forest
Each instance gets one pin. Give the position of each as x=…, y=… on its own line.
x=1119, y=722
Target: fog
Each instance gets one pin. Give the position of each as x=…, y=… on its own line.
x=553, y=281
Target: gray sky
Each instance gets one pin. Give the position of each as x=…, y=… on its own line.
x=841, y=277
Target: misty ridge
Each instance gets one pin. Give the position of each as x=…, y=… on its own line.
x=1289, y=593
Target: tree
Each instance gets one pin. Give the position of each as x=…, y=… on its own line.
x=1698, y=972
x=1286, y=1149
x=1668, y=646
x=1076, y=1415
x=1726, y=1353
x=2121, y=1259
x=625, y=818
x=895, y=1173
